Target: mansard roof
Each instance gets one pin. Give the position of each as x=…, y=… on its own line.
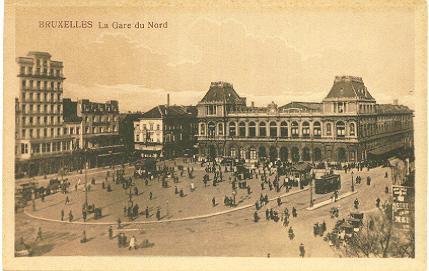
x=307, y=106
x=222, y=92
x=349, y=87
x=392, y=108
x=162, y=111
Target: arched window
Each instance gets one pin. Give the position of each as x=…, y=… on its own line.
x=232, y=129
x=252, y=154
x=328, y=129
x=305, y=129
x=211, y=129
x=252, y=129
x=341, y=129
x=316, y=129
x=220, y=128
x=283, y=129
x=352, y=129
x=233, y=152
x=273, y=129
x=294, y=129
x=202, y=129
x=242, y=129
x=262, y=129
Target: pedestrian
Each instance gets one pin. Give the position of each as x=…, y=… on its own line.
x=119, y=223
x=62, y=214
x=279, y=201
x=323, y=226
x=291, y=234
x=262, y=186
x=125, y=210
x=356, y=203
x=267, y=214
x=70, y=216
x=83, y=239
x=386, y=190
x=176, y=190
x=255, y=216
x=39, y=234
x=315, y=229
x=248, y=190
x=158, y=214
x=84, y=215
x=294, y=213
x=377, y=203
x=110, y=232
x=213, y=201
x=150, y=195
x=67, y=200
x=386, y=175
x=301, y=250
x=75, y=187
x=133, y=242
x=368, y=180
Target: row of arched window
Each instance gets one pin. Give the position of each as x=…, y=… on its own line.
x=271, y=129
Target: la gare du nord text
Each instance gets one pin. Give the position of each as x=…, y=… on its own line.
x=91, y=24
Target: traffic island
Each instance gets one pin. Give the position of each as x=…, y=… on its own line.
x=329, y=201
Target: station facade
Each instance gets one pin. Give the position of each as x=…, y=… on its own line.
x=347, y=126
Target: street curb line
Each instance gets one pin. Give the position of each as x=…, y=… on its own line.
x=162, y=221
x=329, y=201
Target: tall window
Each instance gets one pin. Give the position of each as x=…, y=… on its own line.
x=211, y=129
x=220, y=128
x=242, y=129
x=262, y=129
x=252, y=129
x=341, y=129
x=305, y=129
x=273, y=129
x=294, y=129
x=232, y=129
x=328, y=129
x=211, y=109
x=283, y=129
x=316, y=129
x=352, y=129
x=202, y=129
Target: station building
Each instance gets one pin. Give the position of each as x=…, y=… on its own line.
x=347, y=126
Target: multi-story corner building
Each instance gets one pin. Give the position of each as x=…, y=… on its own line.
x=94, y=128
x=41, y=146
x=126, y=132
x=348, y=125
x=53, y=133
x=166, y=131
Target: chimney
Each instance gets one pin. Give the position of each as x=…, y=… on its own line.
x=253, y=104
x=168, y=99
x=395, y=102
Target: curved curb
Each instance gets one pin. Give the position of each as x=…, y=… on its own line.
x=162, y=221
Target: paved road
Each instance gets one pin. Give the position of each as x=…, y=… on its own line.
x=233, y=234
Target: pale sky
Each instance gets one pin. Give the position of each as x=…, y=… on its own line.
x=267, y=56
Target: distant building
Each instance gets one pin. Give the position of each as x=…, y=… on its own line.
x=41, y=146
x=94, y=128
x=166, y=131
x=126, y=132
x=348, y=125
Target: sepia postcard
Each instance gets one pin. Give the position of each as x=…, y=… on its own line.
x=214, y=135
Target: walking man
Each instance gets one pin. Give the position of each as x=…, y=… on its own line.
x=301, y=250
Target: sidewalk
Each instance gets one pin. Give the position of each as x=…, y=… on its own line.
x=329, y=201
x=73, y=174
x=167, y=220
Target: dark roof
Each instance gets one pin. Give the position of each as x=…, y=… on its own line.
x=162, y=111
x=310, y=106
x=349, y=87
x=392, y=108
x=222, y=92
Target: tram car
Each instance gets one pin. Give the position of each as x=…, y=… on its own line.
x=327, y=183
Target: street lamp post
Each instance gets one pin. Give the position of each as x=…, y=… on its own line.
x=311, y=192
x=353, y=185
x=86, y=186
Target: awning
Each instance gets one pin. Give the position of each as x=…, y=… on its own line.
x=385, y=149
x=109, y=154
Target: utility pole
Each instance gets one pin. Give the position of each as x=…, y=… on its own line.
x=311, y=192
x=86, y=186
